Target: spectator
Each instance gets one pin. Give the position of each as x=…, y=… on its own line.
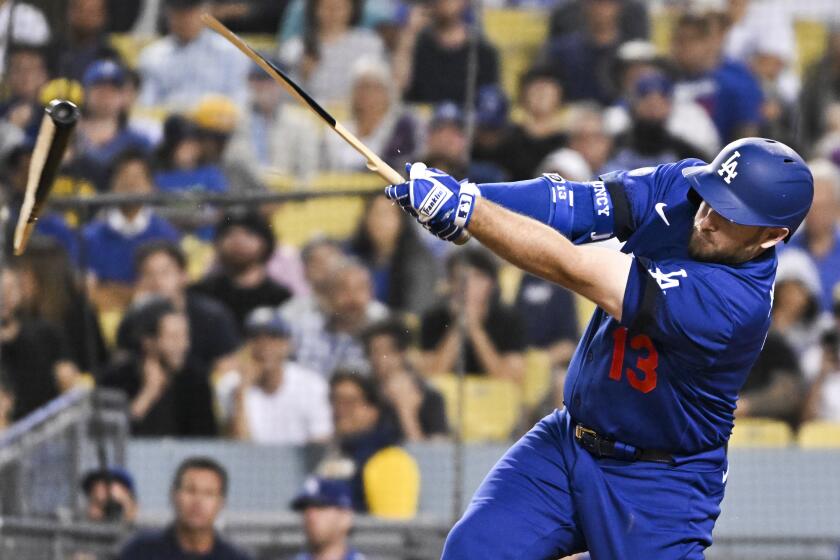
x=446, y=146
x=21, y=23
x=374, y=14
x=774, y=387
x=751, y=22
x=216, y=118
x=331, y=42
x=110, y=495
x=86, y=40
x=494, y=332
x=770, y=63
x=182, y=167
x=113, y=238
x=385, y=480
x=184, y=65
x=821, y=235
x=432, y=55
x=327, y=509
x=103, y=131
x=403, y=270
x=420, y=410
x=51, y=292
x=198, y=495
x=161, y=272
x=321, y=257
x=648, y=142
x=540, y=131
x=50, y=224
x=378, y=120
x=725, y=88
x=567, y=163
x=271, y=399
x=820, y=90
x=550, y=318
x=823, y=399
x=249, y=16
x=31, y=350
x=569, y=17
x=7, y=403
x=166, y=397
x=326, y=342
x=244, y=243
x=491, y=127
x=275, y=132
x=797, y=314
x=21, y=109
x=588, y=136
x=688, y=120
x=584, y=60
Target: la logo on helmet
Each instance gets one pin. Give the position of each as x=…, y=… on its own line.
x=728, y=168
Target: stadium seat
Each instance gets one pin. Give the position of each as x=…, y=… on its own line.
x=297, y=222
x=509, y=279
x=518, y=34
x=760, y=432
x=810, y=42
x=391, y=480
x=491, y=406
x=819, y=435
x=200, y=255
x=537, y=376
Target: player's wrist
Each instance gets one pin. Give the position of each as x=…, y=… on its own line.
x=468, y=195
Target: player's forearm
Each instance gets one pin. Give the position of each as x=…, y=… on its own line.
x=582, y=212
x=596, y=273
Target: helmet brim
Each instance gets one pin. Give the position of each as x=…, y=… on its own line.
x=716, y=193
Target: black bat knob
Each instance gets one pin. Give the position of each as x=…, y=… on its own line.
x=63, y=112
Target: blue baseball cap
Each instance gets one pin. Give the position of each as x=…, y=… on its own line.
x=324, y=492
x=267, y=320
x=114, y=474
x=491, y=107
x=653, y=82
x=447, y=113
x=104, y=71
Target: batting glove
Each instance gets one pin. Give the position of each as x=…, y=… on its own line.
x=438, y=201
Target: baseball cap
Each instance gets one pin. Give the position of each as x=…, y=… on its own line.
x=653, y=82
x=320, y=492
x=491, y=107
x=447, y=113
x=215, y=113
x=267, y=320
x=115, y=474
x=103, y=71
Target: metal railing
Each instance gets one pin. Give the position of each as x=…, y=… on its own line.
x=43, y=456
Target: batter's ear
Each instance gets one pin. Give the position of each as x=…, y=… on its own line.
x=774, y=235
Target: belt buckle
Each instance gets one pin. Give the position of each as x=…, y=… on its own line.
x=580, y=431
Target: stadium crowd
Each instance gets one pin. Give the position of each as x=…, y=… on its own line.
x=214, y=326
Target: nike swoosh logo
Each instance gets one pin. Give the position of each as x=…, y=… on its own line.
x=725, y=475
x=660, y=209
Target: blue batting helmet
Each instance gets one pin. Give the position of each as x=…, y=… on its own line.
x=756, y=182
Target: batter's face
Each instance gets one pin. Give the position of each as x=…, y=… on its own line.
x=718, y=240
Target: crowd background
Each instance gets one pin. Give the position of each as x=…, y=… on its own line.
x=334, y=322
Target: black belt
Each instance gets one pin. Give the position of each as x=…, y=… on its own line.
x=599, y=446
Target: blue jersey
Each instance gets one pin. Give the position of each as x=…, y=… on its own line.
x=667, y=376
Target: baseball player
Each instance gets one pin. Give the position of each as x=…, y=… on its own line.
x=635, y=465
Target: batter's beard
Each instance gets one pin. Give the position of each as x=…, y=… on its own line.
x=701, y=250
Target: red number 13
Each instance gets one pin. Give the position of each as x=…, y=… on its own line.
x=647, y=364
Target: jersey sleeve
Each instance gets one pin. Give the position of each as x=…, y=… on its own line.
x=582, y=212
x=634, y=194
x=683, y=309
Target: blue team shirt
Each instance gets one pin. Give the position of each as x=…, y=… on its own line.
x=667, y=376
x=110, y=253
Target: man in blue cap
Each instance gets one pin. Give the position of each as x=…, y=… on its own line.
x=327, y=508
x=110, y=495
